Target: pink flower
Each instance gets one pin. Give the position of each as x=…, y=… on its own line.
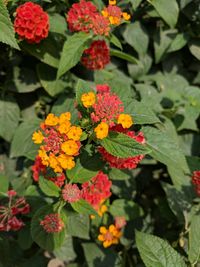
x=71, y=193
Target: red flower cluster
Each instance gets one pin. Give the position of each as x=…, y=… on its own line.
x=8, y=218
x=39, y=169
x=52, y=223
x=196, y=181
x=71, y=193
x=96, y=190
x=96, y=56
x=31, y=22
x=123, y=163
x=85, y=17
x=108, y=106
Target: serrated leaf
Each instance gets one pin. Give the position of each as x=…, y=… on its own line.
x=48, y=241
x=83, y=207
x=22, y=144
x=168, y=10
x=136, y=36
x=156, y=252
x=48, y=187
x=79, y=225
x=72, y=51
x=194, y=240
x=9, y=117
x=7, y=34
x=122, y=55
x=141, y=113
x=123, y=146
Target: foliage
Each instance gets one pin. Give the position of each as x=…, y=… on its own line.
x=154, y=70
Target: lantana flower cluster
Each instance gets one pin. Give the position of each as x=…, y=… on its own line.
x=59, y=142
x=100, y=112
x=11, y=212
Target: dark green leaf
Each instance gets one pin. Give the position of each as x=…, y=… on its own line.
x=122, y=146
x=72, y=51
x=122, y=55
x=3, y=184
x=194, y=240
x=79, y=225
x=83, y=207
x=48, y=187
x=125, y=208
x=156, y=252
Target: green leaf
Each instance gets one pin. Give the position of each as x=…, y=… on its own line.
x=116, y=174
x=194, y=46
x=48, y=187
x=22, y=144
x=141, y=113
x=66, y=251
x=9, y=117
x=72, y=51
x=24, y=237
x=168, y=10
x=136, y=36
x=167, y=151
x=7, y=34
x=47, y=241
x=122, y=55
x=83, y=207
x=114, y=40
x=47, y=51
x=86, y=167
x=47, y=76
x=135, y=3
x=194, y=240
x=123, y=146
x=57, y=24
x=4, y=183
x=79, y=225
x=125, y=208
x=156, y=252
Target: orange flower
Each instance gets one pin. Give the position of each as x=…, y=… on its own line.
x=51, y=120
x=70, y=147
x=109, y=236
x=88, y=99
x=37, y=137
x=64, y=117
x=125, y=120
x=101, y=130
x=75, y=133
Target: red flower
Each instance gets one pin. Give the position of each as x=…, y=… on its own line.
x=80, y=16
x=8, y=212
x=71, y=193
x=123, y=163
x=196, y=181
x=96, y=190
x=107, y=108
x=52, y=223
x=102, y=88
x=31, y=22
x=96, y=56
x=100, y=25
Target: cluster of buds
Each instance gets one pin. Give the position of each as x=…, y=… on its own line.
x=52, y=223
x=111, y=235
x=59, y=142
x=9, y=220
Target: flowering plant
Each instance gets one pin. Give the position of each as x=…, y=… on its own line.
x=99, y=133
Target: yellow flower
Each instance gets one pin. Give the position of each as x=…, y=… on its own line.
x=114, y=20
x=43, y=155
x=64, y=117
x=109, y=236
x=126, y=16
x=51, y=120
x=104, y=13
x=54, y=163
x=125, y=120
x=101, y=130
x=102, y=210
x=75, y=133
x=70, y=147
x=112, y=2
x=37, y=137
x=64, y=127
x=66, y=162
x=88, y=99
